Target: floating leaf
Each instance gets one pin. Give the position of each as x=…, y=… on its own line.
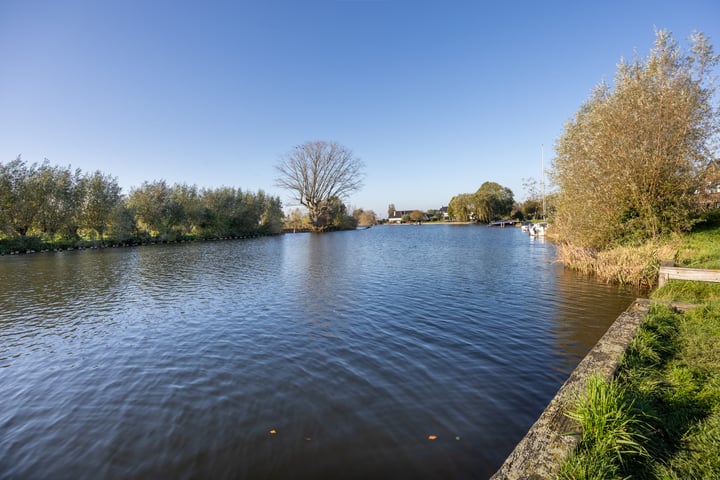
x=273, y=432
x=457, y=438
x=432, y=437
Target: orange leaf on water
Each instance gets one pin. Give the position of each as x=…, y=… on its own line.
x=273, y=432
x=432, y=437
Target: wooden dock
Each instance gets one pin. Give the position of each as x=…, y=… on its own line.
x=668, y=271
x=503, y=223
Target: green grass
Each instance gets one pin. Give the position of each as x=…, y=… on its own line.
x=688, y=291
x=700, y=249
x=611, y=432
x=659, y=417
x=667, y=389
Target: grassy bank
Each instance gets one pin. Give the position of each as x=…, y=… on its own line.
x=659, y=417
x=700, y=249
x=33, y=244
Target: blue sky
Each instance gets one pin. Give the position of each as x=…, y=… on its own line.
x=436, y=97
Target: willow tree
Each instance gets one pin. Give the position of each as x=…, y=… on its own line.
x=628, y=163
x=102, y=195
x=316, y=172
x=493, y=201
x=17, y=211
x=156, y=208
x=462, y=207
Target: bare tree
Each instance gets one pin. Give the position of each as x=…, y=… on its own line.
x=318, y=171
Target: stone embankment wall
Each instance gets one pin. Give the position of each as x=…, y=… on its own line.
x=551, y=438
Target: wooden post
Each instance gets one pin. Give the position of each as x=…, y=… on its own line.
x=663, y=275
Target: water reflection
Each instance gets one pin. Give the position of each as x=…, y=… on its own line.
x=177, y=360
x=582, y=304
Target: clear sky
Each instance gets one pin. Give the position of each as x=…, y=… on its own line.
x=436, y=97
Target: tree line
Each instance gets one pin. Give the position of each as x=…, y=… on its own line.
x=47, y=204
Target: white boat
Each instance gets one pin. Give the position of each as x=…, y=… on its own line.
x=538, y=229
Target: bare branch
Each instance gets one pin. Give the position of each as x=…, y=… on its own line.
x=318, y=171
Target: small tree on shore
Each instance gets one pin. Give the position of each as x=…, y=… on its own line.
x=316, y=172
x=462, y=207
x=417, y=216
x=17, y=212
x=365, y=217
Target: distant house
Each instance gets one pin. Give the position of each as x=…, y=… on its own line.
x=444, y=212
x=398, y=215
x=709, y=193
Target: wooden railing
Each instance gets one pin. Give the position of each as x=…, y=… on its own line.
x=668, y=271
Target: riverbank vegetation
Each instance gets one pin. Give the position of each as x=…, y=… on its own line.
x=636, y=165
x=334, y=216
x=659, y=417
x=639, y=264
x=627, y=265
x=660, y=414
x=48, y=207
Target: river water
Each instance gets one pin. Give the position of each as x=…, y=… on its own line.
x=298, y=356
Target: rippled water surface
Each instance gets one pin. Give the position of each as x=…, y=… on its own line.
x=298, y=356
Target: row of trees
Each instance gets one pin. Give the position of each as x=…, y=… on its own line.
x=631, y=162
x=184, y=210
x=59, y=203
x=490, y=202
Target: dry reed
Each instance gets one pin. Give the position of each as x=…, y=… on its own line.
x=626, y=265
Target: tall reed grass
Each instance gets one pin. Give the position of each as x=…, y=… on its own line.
x=639, y=265
x=626, y=265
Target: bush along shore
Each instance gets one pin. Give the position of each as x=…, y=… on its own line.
x=639, y=264
x=659, y=416
x=36, y=244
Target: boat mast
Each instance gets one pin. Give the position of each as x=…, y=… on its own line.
x=542, y=177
